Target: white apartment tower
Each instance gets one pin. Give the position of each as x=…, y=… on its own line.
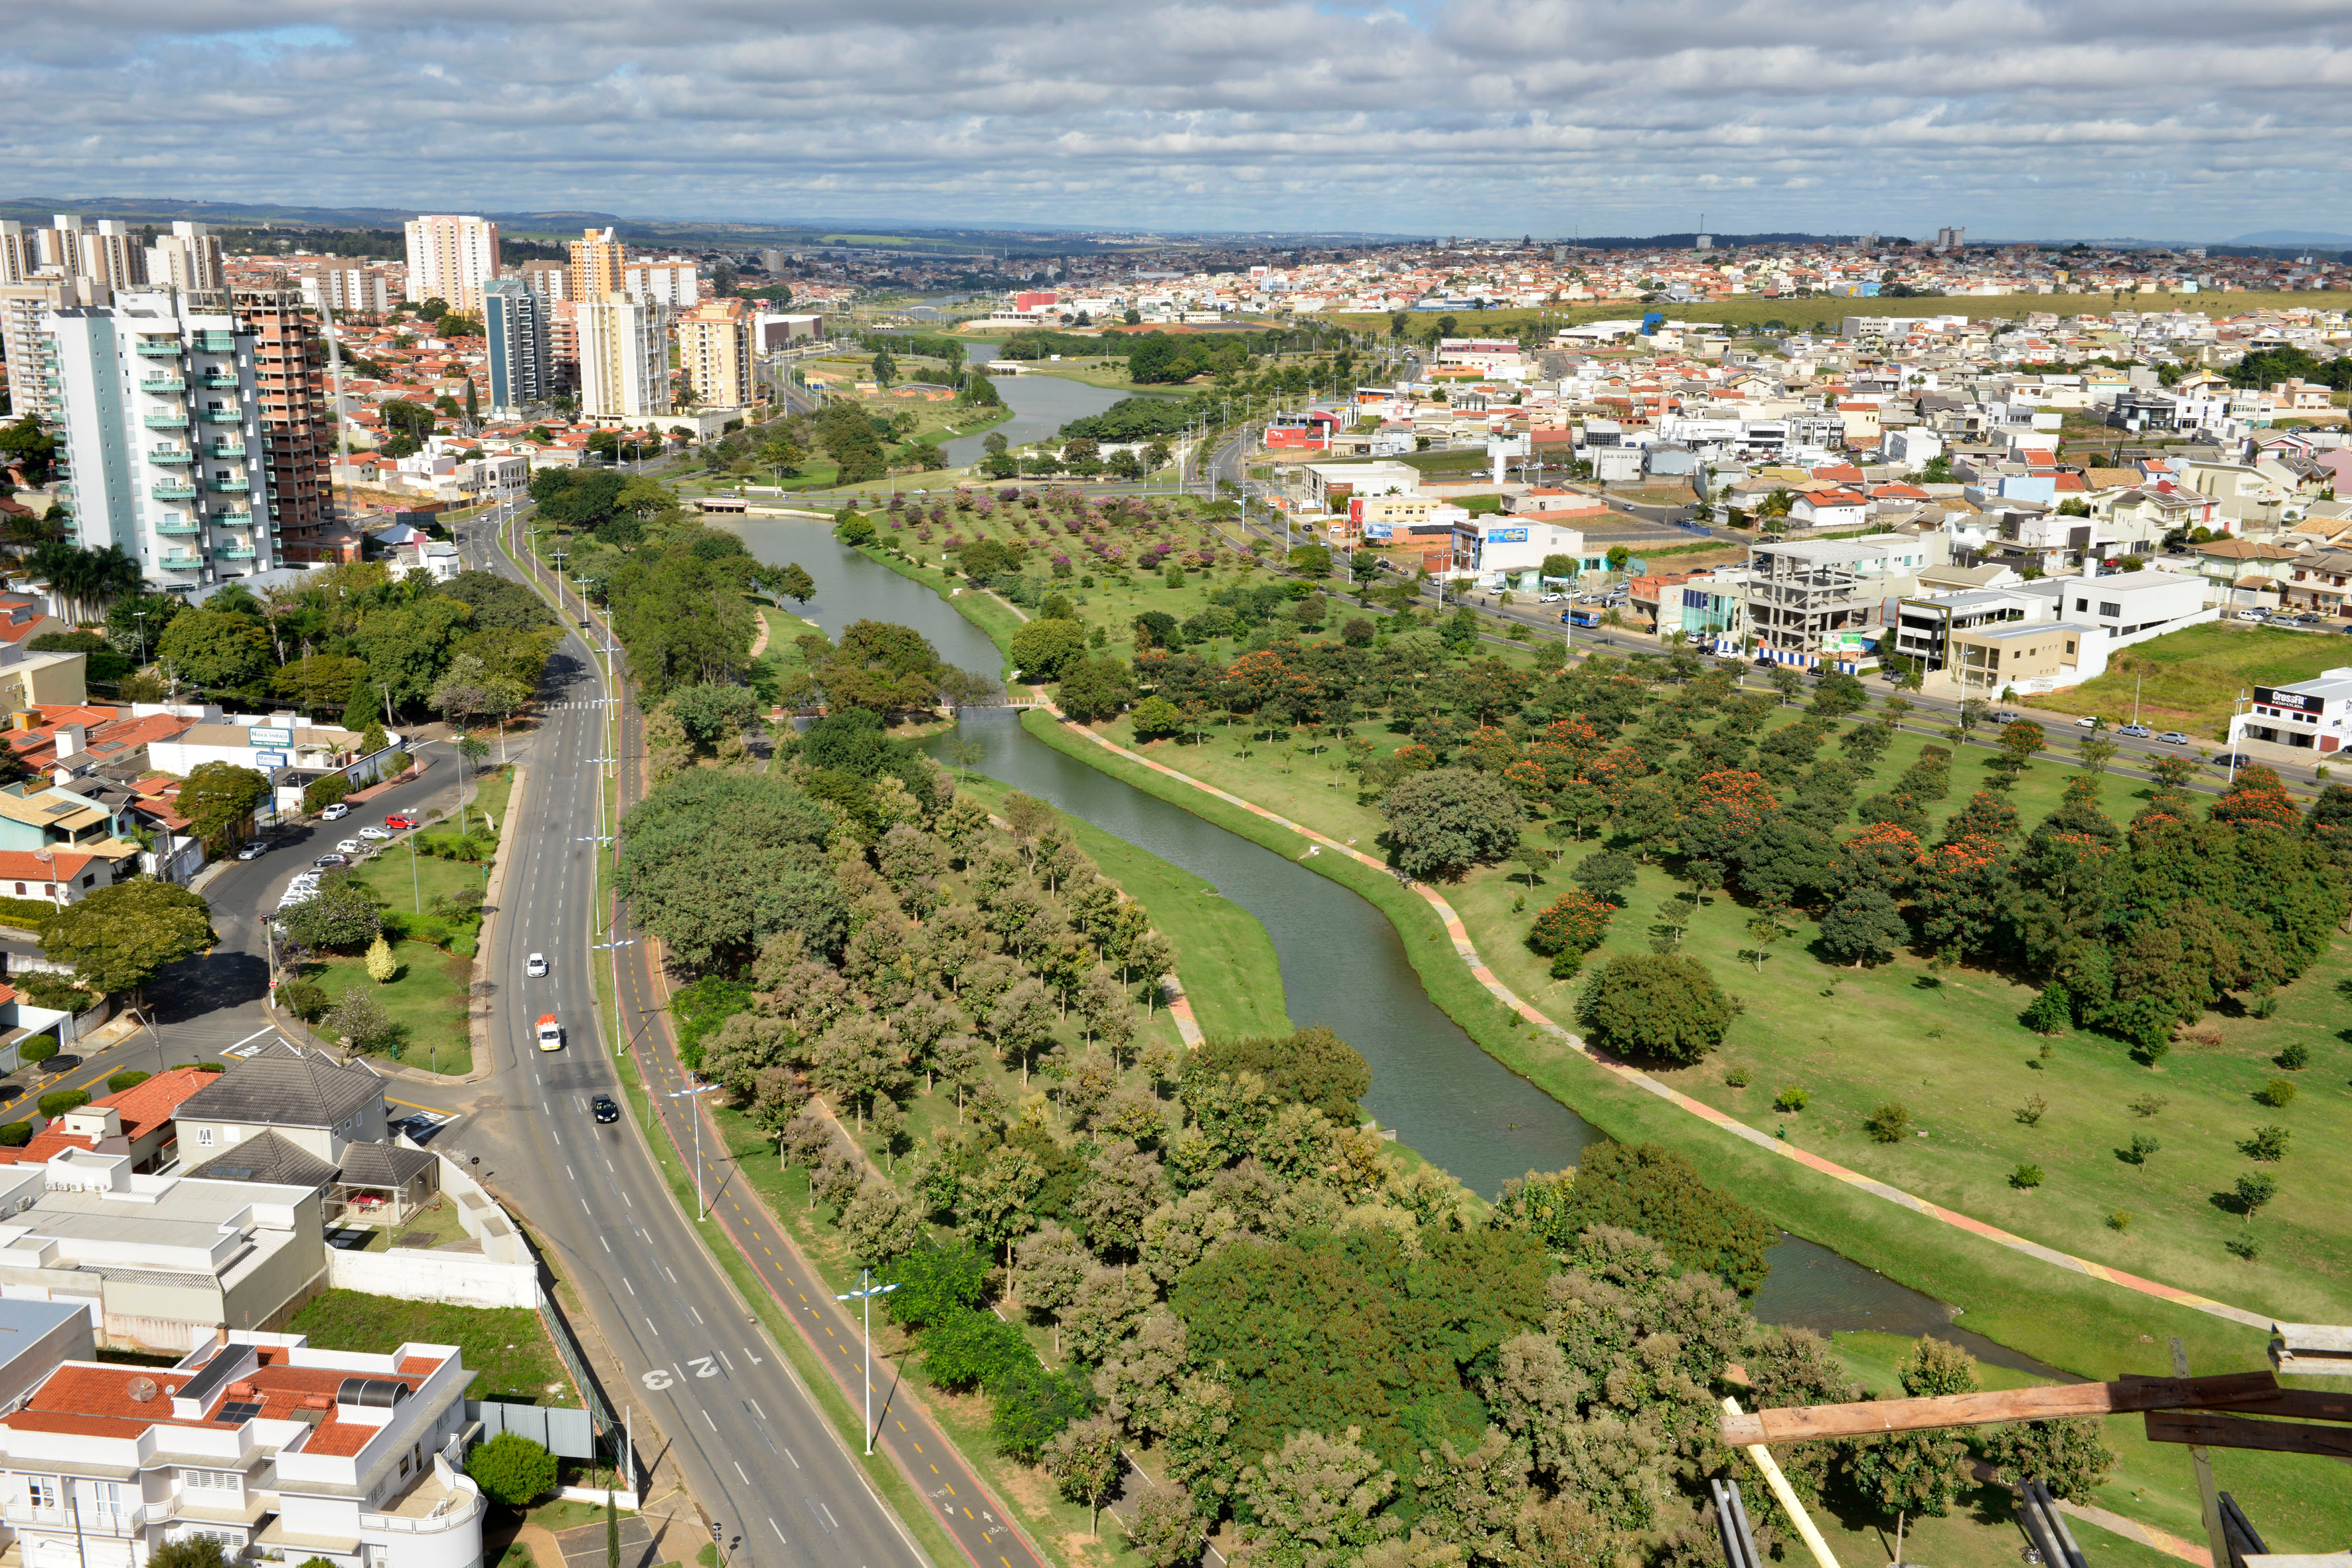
x=450, y=258
x=624, y=359
x=162, y=437
x=187, y=258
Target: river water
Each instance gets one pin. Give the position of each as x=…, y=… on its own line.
x=1041, y=404
x=1342, y=962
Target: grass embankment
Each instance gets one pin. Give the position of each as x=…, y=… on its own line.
x=2191, y=680
x=506, y=1348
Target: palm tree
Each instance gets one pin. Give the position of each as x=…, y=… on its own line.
x=85, y=580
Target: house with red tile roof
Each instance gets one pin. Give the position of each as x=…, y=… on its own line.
x=275, y=1449
x=137, y=1123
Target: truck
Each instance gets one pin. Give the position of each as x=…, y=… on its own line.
x=550, y=1033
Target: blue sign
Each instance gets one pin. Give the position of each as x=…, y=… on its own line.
x=268, y=759
x=1379, y=530
x=1506, y=536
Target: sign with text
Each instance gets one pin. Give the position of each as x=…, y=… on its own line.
x=1506, y=536
x=268, y=759
x=263, y=735
x=2296, y=701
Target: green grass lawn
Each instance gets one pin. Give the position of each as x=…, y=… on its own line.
x=505, y=1347
x=426, y=998
x=2188, y=681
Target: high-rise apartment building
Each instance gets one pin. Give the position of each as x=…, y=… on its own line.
x=597, y=260
x=672, y=283
x=31, y=388
x=450, y=259
x=551, y=280
x=20, y=252
x=514, y=320
x=187, y=257
x=110, y=253
x=624, y=359
x=347, y=287
x=162, y=437
x=714, y=348
x=297, y=425
x=562, y=317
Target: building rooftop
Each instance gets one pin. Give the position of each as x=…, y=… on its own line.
x=284, y=1091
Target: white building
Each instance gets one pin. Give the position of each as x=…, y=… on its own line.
x=1509, y=552
x=450, y=258
x=351, y=287
x=671, y=282
x=2129, y=605
x=2308, y=713
x=162, y=440
x=274, y=1449
x=624, y=359
x=187, y=257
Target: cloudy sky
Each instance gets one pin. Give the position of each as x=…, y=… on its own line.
x=2014, y=118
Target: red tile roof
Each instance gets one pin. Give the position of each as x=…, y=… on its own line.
x=142, y=1108
x=95, y=1401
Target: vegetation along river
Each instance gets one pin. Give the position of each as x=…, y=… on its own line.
x=1342, y=963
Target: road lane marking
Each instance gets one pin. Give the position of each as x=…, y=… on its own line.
x=739, y=1471
x=777, y=1527
x=698, y=1317
x=627, y=1286
x=756, y=1410
x=795, y=1458
x=650, y=1323
x=608, y=1246
x=707, y=1421
x=731, y=1365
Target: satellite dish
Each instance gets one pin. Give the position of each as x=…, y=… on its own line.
x=142, y=1390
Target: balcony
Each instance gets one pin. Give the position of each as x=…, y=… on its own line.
x=236, y=485
x=161, y=383
x=181, y=562
x=226, y=449
x=172, y=456
x=172, y=490
x=215, y=343
x=174, y=421
x=223, y=416
x=175, y=523
x=233, y=519
x=430, y=1507
x=214, y=381
x=233, y=551
x=160, y=348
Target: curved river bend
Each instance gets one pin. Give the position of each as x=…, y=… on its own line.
x=1342, y=963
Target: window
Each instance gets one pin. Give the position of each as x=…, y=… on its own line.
x=212, y=1480
x=2082, y=603
x=2109, y=609
x=41, y=1491
x=203, y=1137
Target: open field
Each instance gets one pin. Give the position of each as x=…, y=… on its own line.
x=505, y=1347
x=2188, y=681
x=426, y=998
x=1757, y=311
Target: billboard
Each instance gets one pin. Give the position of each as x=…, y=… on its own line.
x=1506, y=536
x=2294, y=701
x=264, y=735
x=1846, y=644
x=1379, y=530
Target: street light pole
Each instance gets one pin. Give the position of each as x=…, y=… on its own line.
x=863, y=1296
x=702, y=1204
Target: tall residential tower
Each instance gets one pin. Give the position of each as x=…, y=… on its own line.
x=450, y=259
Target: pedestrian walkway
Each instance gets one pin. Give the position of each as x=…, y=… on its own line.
x=1467, y=952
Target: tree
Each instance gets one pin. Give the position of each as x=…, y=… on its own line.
x=219, y=800
x=2253, y=1190
x=512, y=1469
x=1094, y=688
x=881, y=1224
x=2020, y=739
x=715, y=862
x=1164, y=1529
x=2069, y=1456
x=1573, y=923
x=361, y=1020
x=196, y=1551
x=1864, y=925
x=1904, y=1473
x=1662, y=1005
x=1606, y=874
x=381, y=964
x=1043, y=648
x=1443, y=822
x=793, y=583
x=1317, y=1501
x=116, y=939
x=215, y=649
x=340, y=917
x=1085, y=1462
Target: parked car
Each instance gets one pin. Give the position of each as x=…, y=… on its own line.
x=2251, y=616
x=2306, y=619
x=2173, y=738
x=1550, y=599
x=397, y=820
x=2000, y=716
x=335, y=813
x=332, y=862
x=253, y=851
x=535, y=965
x=349, y=846
x=603, y=1109
x=2137, y=731
x=376, y=834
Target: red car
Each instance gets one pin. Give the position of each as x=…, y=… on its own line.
x=400, y=822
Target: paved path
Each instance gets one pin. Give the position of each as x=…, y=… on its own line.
x=1467, y=952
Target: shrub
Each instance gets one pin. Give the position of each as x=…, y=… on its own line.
x=1032, y=1406
x=2278, y=1093
x=1736, y=1078
x=1888, y=1123
x=967, y=1349
x=2031, y=1112
x=59, y=1101
x=512, y=1469
x=934, y=1284
x=27, y=914
x=2026, y=1176
x=15, y=1134
x=1575, y=922
x=2245, y=1246
x=323, y=792
x=2051, y=1012
x=302, y=999
x=1660, y=1005
x=2269, y=1143
x=1790, y=1098
x=38, y=1049
x=130, y=1077
x=2295, y=1057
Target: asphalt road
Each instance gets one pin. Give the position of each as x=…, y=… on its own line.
x=761, y=1459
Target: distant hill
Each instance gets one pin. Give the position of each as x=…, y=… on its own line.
x=2293, y=237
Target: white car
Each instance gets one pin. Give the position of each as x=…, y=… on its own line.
x=335, y=813
x=372, y=831
x=2086, y=723
x=349, y=846
x=253, y=851
x=1550, y=599
x=2253, y=614
x=535, y=965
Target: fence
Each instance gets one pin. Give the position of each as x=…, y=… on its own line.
x=564, y=1432
x=606, y=1427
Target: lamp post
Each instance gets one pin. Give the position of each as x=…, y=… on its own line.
x=863, y=1296
x=701, y=1206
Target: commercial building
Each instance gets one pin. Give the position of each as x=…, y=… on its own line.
x=2308, y=713
x=162, y=438
x=714, y=348
x=297, y=433
x=1330, y=485
x=1509, y=552
x=623, y=358
x=2025, y=658
x=450, y=258
x=187, y=258
x=2127, y=605
x=597, y=259
x=1924, y=626
x=522, y=369
x=276, y=1451
x=780, y=331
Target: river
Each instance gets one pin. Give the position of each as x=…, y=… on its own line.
x=1040, y=405
x=1342, y=963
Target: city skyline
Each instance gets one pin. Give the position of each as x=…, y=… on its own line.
x=2011, y=118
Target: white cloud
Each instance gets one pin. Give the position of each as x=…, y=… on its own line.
x=2025, y=117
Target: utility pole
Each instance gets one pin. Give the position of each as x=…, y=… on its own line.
x=863, y=1296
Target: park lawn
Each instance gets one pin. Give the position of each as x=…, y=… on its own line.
x=427, y=998
x=506, y=1348
x=490, y=792
x=2189, y=680
x=1225, y=959
x=408, y=881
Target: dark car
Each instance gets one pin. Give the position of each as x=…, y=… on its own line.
x=58, y=1066
x=603, y=1109
x=2233, y=759
x=332, y=862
